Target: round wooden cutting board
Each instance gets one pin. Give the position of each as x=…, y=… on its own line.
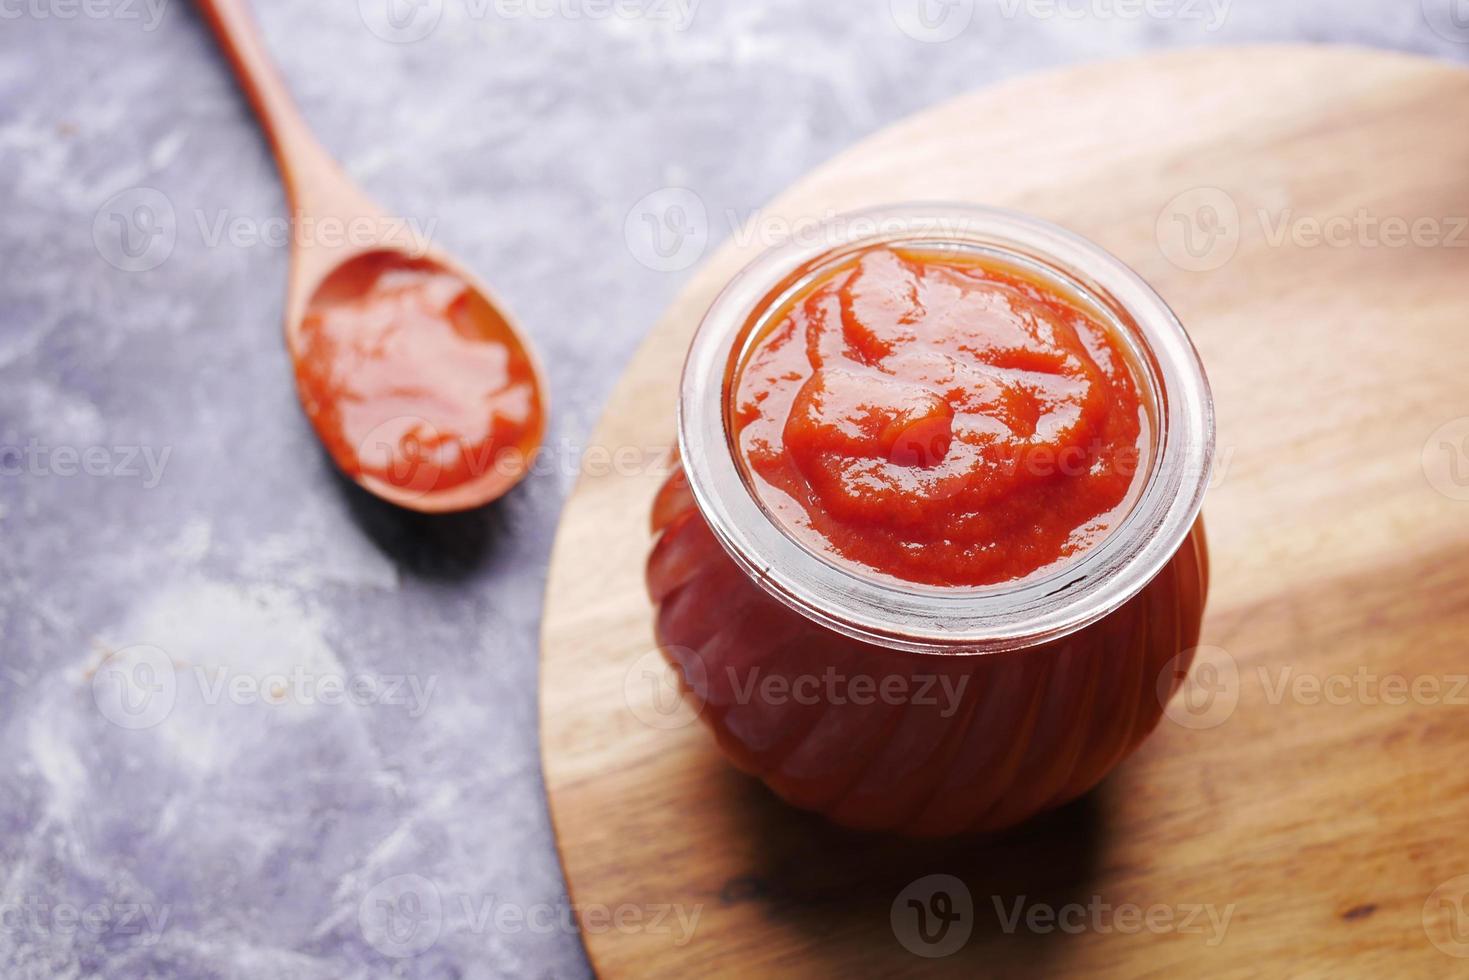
x=1306, y=213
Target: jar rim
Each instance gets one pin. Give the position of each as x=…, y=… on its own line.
x=911, y=617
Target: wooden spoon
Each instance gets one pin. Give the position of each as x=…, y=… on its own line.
x=327, y=269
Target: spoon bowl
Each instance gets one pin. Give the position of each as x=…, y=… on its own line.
x=398, y=451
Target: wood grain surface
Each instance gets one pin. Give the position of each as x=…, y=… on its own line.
x=1314, y=789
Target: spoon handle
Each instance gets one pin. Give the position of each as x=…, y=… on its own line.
x=315, y=183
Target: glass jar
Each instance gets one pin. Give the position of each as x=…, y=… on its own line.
x=931, y=711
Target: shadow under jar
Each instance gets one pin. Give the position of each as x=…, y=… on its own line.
x=932, y=562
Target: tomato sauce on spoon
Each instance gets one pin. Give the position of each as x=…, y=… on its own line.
x=412, y=377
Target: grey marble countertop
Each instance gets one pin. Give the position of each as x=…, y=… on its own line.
x=187, y=787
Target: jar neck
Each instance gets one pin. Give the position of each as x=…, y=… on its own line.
x=925, y=619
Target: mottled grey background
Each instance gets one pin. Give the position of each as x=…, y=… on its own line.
x=163, y=496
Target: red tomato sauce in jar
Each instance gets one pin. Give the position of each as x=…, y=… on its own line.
x=939, y=419
x=411, y=377
x=932, y=560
